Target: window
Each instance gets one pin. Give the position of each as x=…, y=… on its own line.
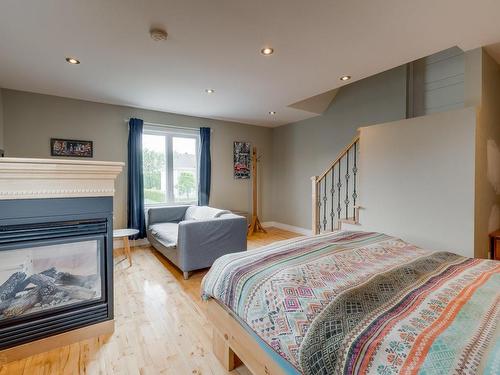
x=170, y=160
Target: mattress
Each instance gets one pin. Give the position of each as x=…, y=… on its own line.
x=359, y=302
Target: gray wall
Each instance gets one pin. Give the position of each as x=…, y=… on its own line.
x=1, y=121
x=30, y=120
x=439, y=82
x=306, y=148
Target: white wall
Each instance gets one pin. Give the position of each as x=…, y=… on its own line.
x=416, y=180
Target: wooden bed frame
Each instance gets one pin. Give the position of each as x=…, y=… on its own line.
x=233, y=345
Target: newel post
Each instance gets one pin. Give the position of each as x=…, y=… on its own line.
x=315, y=208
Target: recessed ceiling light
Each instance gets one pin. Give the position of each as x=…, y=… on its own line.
x=72, y=60
x=272, y=113
x=209, y=91
x=345, y=78
x=267, y=51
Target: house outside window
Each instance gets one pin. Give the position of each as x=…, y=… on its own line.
x=170, y=165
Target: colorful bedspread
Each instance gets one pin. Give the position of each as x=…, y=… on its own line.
x=357, y=303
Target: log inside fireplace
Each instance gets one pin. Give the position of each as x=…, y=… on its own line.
x=21, y=294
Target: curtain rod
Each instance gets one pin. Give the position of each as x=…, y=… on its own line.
x=170, y=126
x=166, y=125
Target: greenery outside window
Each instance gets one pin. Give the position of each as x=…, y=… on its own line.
x=170, y=160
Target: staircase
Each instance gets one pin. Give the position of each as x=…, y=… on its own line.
x=334, y=192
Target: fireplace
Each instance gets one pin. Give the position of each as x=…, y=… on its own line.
x=55, y=266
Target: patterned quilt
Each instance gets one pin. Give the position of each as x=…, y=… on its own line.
x=358, y=303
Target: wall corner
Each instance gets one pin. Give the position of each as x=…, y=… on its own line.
x=2, y=147
x=473, y=77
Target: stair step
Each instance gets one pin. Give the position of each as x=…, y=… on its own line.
x=349, y=221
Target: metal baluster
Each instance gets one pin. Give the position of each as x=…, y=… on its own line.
x=347, y=176
x=324, y=204
x=332, y=191
x=319, y=216
x=318, y=204
x=339, y=185
x=354, y=172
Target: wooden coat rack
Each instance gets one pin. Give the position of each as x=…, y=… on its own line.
x=255, y=225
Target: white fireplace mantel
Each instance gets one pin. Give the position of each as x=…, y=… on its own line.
x=22, y=178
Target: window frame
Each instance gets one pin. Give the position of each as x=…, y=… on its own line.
x=170, y=132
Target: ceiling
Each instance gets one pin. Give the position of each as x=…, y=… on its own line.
x=215, y=44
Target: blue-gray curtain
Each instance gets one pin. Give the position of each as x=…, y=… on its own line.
x=205, y=168
x=135, y=205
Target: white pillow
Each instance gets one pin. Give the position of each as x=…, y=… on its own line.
x=203, y=212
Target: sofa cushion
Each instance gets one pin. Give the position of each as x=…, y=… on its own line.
x=203, y=212
x=166, y=233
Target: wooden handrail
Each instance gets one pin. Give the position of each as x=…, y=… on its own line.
x=340, y=156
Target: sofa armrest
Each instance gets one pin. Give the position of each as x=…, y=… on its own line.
x=169, y=214
x=201, y=242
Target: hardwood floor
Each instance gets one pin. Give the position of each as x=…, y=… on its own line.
x=160, y=325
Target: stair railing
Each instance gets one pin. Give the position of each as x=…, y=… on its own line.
x=334, y=192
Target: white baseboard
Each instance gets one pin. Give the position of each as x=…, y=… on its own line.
x=291, y=228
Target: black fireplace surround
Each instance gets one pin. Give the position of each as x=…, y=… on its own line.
x=56, y=266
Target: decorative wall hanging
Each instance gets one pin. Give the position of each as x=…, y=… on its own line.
x=71, y=148
x=241, y=160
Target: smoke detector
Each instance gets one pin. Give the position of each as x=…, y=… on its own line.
x=158, y=35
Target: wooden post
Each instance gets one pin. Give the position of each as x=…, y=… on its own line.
x=254, y=181
x=126, y=246
x=222, y=351
x=315, y=213
x=255, y=225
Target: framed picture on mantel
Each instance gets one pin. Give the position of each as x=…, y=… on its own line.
x=71, y=148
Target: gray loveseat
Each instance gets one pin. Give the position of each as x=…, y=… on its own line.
x=193, y=237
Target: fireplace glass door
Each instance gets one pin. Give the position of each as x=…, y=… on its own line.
x=51, y=275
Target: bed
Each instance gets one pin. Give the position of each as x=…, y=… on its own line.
x=354, y=303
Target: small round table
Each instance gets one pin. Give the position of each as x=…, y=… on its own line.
x=125, y=234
